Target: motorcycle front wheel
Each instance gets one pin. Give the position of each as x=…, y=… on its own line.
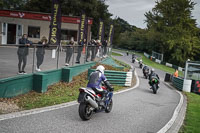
x=154, y=88
x=109, y=106
x=85, y=111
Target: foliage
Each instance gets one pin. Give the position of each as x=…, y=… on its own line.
x=12, y=4
x=173, y=30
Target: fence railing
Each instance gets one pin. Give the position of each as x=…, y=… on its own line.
x=178, y=82
x=43, y=58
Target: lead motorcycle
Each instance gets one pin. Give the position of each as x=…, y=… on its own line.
x=91, y=103
x=154, y=84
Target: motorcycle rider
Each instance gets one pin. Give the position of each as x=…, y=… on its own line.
x=95, y=80
x=140, y=62
x=153, y=74
x=133, y=56
x=145, y=68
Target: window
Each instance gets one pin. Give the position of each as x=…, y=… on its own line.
x=67, y=34
x=33, y=32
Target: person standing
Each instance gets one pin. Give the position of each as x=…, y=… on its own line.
x=40, y=52
x=105, y=43
x=80, y=48
x=89, y=48
x=22, y=53
x=93, y=49
x=69, y=52
x=176, y=73
x=99, y=51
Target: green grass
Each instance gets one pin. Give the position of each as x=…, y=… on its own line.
x=116, y=54
x=58, y=93
x=153, y=64
x=192, y=119
x=126, y=66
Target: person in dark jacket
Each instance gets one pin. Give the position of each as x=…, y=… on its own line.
x=69, y=52
x=93, y=49
x=105, y=44
x=89, y=49
x=40, y=52
x=80, y=48
x=22, y=53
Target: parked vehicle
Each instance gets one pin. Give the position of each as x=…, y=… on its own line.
x=91, y=103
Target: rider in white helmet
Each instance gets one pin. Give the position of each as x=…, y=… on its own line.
x=96, y=78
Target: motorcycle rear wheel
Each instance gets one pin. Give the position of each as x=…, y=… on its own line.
x=109, y=106
x=84, y=111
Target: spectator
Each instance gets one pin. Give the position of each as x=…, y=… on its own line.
x=93, y=49
x=89, y=48
x=40, y=52
x=80, y=48
x=105, y=43
x=69, y=52
x=22, y=53
x=176, y=73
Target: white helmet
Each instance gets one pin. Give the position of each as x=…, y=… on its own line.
x=100, y=68
x=152, y=70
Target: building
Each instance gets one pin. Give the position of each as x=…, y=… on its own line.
x=13, y=24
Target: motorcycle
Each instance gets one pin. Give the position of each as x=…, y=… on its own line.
x=133, y=60
x=140, y=65
x=91, y=103
x=146, y=73
x=154, y=84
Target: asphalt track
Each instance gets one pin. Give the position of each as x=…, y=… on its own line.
x=134, y=111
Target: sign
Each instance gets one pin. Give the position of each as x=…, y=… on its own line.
x=39, y=16
x=111, y=33
x=83, y=27
x=55, y=26
x=101, y=31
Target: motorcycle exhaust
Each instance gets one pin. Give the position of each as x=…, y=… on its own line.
x=91, y=102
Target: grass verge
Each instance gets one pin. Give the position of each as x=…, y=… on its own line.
x=153, y=64
x=58, y=93
x=126, y=66
x=192, y=119
x=116, y=54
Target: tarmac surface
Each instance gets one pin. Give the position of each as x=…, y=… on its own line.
x=9, y=61
x=134, y=111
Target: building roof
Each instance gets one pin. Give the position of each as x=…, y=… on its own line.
x=39, y=16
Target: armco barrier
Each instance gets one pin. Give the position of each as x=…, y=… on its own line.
x=178, y=83
x=39, y=82
x=14, y=86
x=117, y=77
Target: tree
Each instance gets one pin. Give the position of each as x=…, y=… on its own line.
x=174, y=30
x=12, y=4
